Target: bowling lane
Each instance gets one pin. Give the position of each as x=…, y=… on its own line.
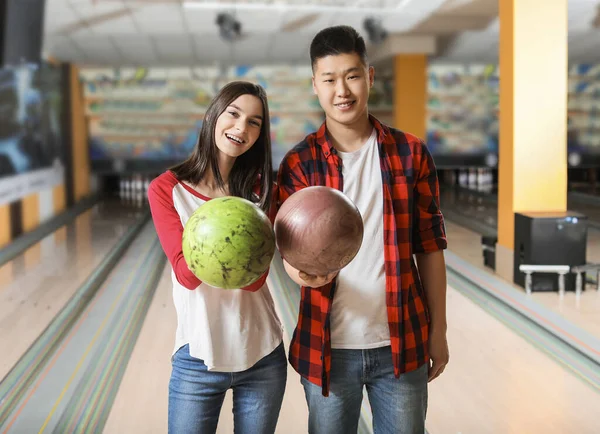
x=73, y=389
x=583, y=311
x=497, y=382
x=141, y=403
x=591, y=210
x=479, y=213
x=475, y=208
x=484, y=206
x=36, y=285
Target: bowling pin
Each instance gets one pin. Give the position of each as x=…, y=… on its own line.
x=472, y=180
x=462, y=178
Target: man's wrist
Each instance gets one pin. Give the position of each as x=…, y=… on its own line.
x=438, y=326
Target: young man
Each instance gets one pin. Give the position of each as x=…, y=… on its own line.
x=379, y=323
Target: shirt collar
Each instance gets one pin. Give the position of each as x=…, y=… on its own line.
x=326, y=144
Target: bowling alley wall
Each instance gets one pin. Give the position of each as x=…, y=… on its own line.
x=149, y=117
x=153, y=115
x=39, y=165
x=79, y=122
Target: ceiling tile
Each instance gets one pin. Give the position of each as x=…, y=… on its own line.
x=137, y=48
x=61, y=15
x=89, y=9
x=116, y=25
x=211, y=48
x=200, y=21
x=159, y=19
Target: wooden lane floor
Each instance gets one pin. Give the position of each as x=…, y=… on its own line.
x=35, y=286
x=497, y=382
x=141, y=403
x=583, y=311
x=73, y=389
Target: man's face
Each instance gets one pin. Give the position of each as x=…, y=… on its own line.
x=342, y=84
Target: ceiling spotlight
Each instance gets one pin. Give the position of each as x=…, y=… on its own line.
x=375, y=31
x=229, y=28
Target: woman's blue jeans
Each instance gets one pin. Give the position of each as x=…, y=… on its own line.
x=196, y=394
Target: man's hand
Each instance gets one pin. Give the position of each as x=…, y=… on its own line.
x=438, y=352
x=305, y=279
x=432, y=270
x=316, y=281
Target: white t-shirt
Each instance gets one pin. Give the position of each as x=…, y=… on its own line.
x=359, y=312
x=230, y=330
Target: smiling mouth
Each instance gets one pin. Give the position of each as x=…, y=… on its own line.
x=345, y=105
x=235, y=139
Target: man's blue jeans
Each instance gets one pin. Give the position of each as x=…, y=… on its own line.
x=399, y=405
x=196, y=394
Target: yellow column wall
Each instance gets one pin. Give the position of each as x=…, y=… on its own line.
x=410, y=93
x=532, y=173
x=81, y=163
x=5, y=235
x=30, y=212
x=59, y=198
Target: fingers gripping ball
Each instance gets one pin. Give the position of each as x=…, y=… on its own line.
x=318, y=230
x=228, y=242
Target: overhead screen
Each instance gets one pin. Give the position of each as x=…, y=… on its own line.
x=22, y=30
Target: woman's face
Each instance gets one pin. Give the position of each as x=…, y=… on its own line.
x=239, y=126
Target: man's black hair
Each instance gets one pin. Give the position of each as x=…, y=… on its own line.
x=337, y=40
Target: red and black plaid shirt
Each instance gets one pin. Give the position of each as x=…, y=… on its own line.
x=412, y=223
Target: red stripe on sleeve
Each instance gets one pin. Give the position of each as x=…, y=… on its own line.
x=169, y=228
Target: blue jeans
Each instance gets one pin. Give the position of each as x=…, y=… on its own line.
x=196, y=394
x=399, y=405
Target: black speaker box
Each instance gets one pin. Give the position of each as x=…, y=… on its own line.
x=544, y=238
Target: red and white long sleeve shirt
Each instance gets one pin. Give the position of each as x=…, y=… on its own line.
x=230, y=330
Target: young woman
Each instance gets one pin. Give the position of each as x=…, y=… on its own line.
x=226, y=339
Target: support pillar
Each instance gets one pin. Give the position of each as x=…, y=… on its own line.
x=410, y=94
x=533, y=116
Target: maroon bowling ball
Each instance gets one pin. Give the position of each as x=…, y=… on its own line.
x=318, y=230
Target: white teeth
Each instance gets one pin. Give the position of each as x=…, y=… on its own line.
x=344, y=105
x=235, y=139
